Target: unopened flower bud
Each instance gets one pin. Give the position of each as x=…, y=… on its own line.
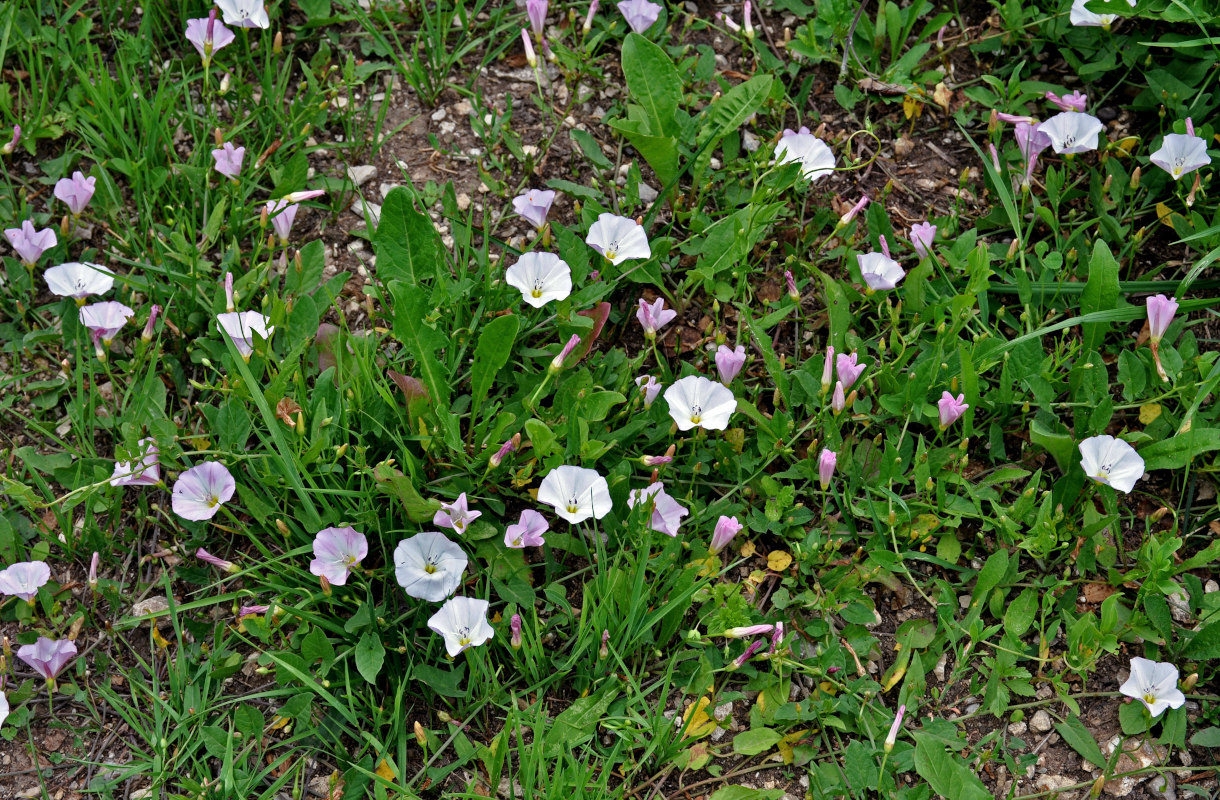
x=604, y=650
x=11, y=145
x=531, y=57
x=514, y=626
x=421, y=738
x=277, y=44
x=93, y=571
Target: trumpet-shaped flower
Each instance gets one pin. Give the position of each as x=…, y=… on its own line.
x=951, y=408
x=1031, y=140
x=1080, y=15
x=667, y=513
x=576, y=493
x=1181, y=154
x=640, y=14
x=618, y=238
x=650, y=386
x=142, y=471
x=105, y=319
x=1111, y=462
x=827, y=462
x=879, y=271
x=30, y=244
x=654, y=316
x=534, y=205
x=456, y=515
x=849, y=368
x=462, y=622
x=283, y=212
x=208, y=35
x=726, y=529
x=922, y=236
x=24, y=578
x=536, y=11
x=79, y=280
x=244, y=13
x=428, y=566
x=216, y=561
x=75, y=192
x=697, y=401
x=815, y=157
x=336, y=551
x=528, y=531
x=1076, y=101
x=46, y=656
x=1072, y=132
x=241, y=327
x=729, y=362
x=1155, y=684
x=200, y=491
x=3, y=708
x=1160, y=315
x=228, y=160
x=540, y=277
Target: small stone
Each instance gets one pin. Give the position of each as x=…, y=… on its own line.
x=1017, y=728
x=1164, y=786
x=1211, y=586
x=386, y=188
x=749, y=141
x=463, y=201
x=153, y=605
x=447, y=128
x=438, y=115
x=1041, y=722
x=1179, y=607
x=723, y=711
x=360, y=175
x=647, y=193
x=462, y=108
x=360, y=206
x=1055, y=783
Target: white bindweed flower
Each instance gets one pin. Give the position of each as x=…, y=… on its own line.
x=540, y=277
x=462, y=621
x=1179, y=154
x=24, y=578
x=816, y=158
x=429, y=566
x=1080, y=15
x=105, y=319
x=576, y=493
x=241, y=327
x=879, y=271
x=244, y=13
x=698, y=401
x=3, y=708
x=1155, y=684
x=78, y=280
x=1111, y=461
x=1072, y=132
x=618, y=238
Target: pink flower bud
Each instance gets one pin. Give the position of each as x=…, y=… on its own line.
x=557, y=362
x=792, y=292
x=838, y=401
x=891, y=738
x=655, y=461
x=1160, y=315
x=8, y=148
x=147, y=335
x=514, y=627
x=951, y=408
x=531, y=57
x=230, y=306
x=826, y=466
x=828, y=368
x=748, y=654
x=604, y=650
x=93, y=571
x=726, y=529
x=748, y=630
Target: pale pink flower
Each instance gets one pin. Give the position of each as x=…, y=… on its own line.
x=1160, y=315
x=534, y=205
x=456, y=515
x=46, y=656
x=208, y=35
x=726, y=529
x=220, y=563
x=24, y=578
x=145, y=470
x=30, y=244
x=529, y=531
x=650, y=387
x=229, y=160
x=640, y=14
x=105, y=319
x=200, y=491
x=76, y=192
x=826, y=466
x=951, y=408
x=922, y=236
x=667, y=513
x=849, y=369
x=729, y=362
x=654, y=317
x=1076, y=101
x=336, y=551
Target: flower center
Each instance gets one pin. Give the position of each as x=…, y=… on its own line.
x=1149, y=698
x=463, y=636
x=537, y=292
x=213, y=501
x=429, y=566
x=696, y=413
x=1068, y=141
x=612, y=249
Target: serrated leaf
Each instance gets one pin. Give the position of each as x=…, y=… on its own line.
x=405, y=241
x=494, y=349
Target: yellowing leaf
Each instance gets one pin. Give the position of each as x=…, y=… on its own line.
x=1149, y=412
x=786, y=744
x=384, y=770
x=911, y=107
x=779, y=560
x=942, y=96
x=748, y=549
x=158, y=639
x=279, y=722
x=1164, y=214
x=698, y=722
x=707, y=566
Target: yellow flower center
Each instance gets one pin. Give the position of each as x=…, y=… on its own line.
x=1149, y=698
x=573, y=508
x=536, y=293
x=429, y=568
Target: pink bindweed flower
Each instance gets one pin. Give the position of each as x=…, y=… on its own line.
x=456, y=515
x=1032, y=141
x=1180, y=154
x=498, y=457
x=283, y=212
x=529, y=530
x=726, y=529
x=650, y=387
x=1068, y=102
x=951, y=408
x=75, y=192
x=1018, y=118
x=144, y=470
x=245, y=13
x=30, y=244
x=514, y=627
x=92, y=579
x=200, y=491
x=667, y=513
x=536, y=11
x=852, y=212
x=729, y=362
x=995, y=156
x=742, y=632
x=557, y=361
x=46, y=656
x=654, y=317
x=826, y=466
x=838, y=400
x=252, y=610
x=336, y=551
x=588, y=26
x=149, y=326
x=534, y=205
x=208, y=35
x=655, y=461
x=640, y=14
x=105, y=319
x=922, y=235
x=754, y=647
x=748, y=15
x=215, y=561
x=228, y=160
x=1161, y=310
x=891, y=738
x=531, y=57
x=777, y=637
x=230, y=304
x=24, y=578
x=828, y=368
x=11, y=145
x=792, y=292
x=728, y=22
x=849, y=369
x=79, y=280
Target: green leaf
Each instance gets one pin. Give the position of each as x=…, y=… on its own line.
x=313, y=265
x=837, y=308
x=490, y=355
x=1208, y=737
x=1134, y=718
x=233, y=425
x=421, y=340
x=1077, y=735
x=592, y=150
x=1061, y=446
x=1100, y=293
x=1176, y=451
x=746, y=793
x=860, y=767
x=1020, y=613
x=1204, y=645
x=1158, y=613
x=991, y=574
x=763, y=342
x=405, y=241
x=653, y=82
x=370, y=655
x=726, y=114
x=541, y=437
x=578, y=722
x=946, y=775
x=661, y=152
x=755, y=741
